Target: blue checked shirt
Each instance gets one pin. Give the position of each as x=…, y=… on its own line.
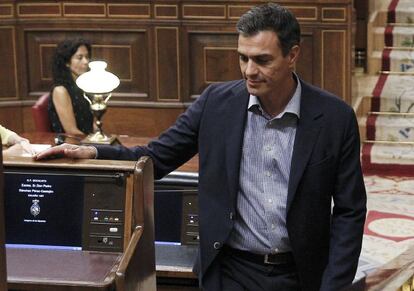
x=260, y=225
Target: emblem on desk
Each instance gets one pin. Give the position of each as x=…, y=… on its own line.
x=35, y=208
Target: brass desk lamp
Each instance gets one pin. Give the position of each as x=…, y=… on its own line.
x=97, y=85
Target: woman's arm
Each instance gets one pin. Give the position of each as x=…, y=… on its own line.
x=64, y=109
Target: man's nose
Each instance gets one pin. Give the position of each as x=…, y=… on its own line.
x=251, y=68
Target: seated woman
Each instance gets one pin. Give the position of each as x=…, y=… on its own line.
x=68, y=110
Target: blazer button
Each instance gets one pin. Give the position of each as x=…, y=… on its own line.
x=231, y=215
x=217, y=245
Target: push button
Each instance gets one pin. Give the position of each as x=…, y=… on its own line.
x=217, y=245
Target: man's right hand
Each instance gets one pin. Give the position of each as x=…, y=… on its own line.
x=68, y=151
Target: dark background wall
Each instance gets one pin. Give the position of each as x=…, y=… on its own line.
x=165, y=52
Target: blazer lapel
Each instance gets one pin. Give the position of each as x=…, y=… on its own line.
x=234, y=131
x=307, y=132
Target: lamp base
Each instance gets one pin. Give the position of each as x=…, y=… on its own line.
x=99, y=138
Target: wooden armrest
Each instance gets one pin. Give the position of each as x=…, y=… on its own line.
x=126, y=258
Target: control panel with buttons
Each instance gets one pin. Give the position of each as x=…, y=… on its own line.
x=176, y=208
x=105, y=214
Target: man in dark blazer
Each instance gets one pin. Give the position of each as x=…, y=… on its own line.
x=282, y=201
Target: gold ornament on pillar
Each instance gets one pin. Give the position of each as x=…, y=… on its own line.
x=97, y=85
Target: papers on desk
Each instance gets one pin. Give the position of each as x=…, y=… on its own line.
x=36, y=148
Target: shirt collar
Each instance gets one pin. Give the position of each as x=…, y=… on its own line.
x=293, y=105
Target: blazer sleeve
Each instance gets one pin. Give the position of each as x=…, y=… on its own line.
x=348, y=215
x=172, y=148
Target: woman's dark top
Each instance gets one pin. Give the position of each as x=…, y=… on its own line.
x=81, y=109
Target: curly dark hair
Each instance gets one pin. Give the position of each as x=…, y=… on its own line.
x=271, y=17
x=64, y=52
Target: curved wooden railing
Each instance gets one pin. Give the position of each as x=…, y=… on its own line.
x=396, y=275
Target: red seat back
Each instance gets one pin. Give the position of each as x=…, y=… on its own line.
x=41, y=115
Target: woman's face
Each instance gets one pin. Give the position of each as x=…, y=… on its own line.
x=79, y=62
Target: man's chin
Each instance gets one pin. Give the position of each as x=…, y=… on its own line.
x=252, y=90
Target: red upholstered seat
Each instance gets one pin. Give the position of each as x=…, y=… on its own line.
x=41, y=115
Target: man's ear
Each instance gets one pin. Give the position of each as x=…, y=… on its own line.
x=293, y=56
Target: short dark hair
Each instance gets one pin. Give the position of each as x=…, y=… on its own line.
x=272, y=17
x=64, y=52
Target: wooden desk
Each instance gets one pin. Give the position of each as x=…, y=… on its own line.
x=129, y=141
x=166, y=267
x=103, y=267
x=37, y=269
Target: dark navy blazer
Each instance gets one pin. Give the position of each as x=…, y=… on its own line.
x=325, y=241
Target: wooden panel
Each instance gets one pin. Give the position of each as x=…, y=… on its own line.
x=304, y=12
x=301, y=12
x=120, y=57
x=213, y=58
x=333, y=73
x=27, y=120
x=204, y=11
x=45, y=56
x=235, y=11
x=39, y=10
x=125, y=51
x=305, y=66
x=166, y=11
x=217, y=61
x=334, y=14
x=129, y=10
x=167, y=63
x=194, y=47
x=133, y=121
x=3, y=268
x=84, y=10
x=139, y=121
x=6, y=10
x=11, y=118
x=8, y=67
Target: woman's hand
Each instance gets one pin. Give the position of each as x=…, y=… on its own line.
x=15, y=139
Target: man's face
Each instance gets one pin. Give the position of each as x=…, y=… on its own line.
x=79, y=62
x=263, y=65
